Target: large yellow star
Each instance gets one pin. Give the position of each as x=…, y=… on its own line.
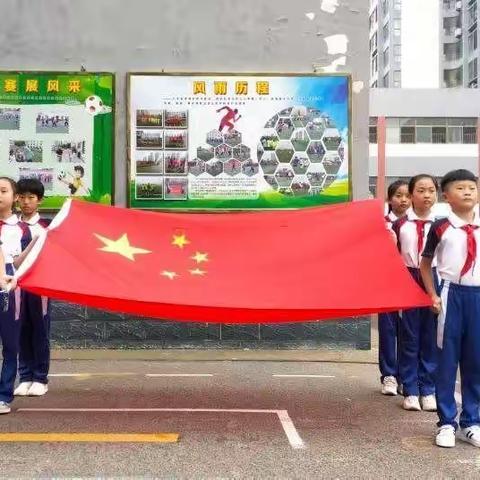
x=170, y=275
x=121, y=246
x=200, y=257
x=180, y=241
x=198, y=272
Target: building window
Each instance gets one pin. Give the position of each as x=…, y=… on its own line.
x=469, y=135
x=374, y=65
x=397, y=53
x=397, y=25
x=386, y=56
x=407, y=134
x=386, y=80
x=397, y=76
x=397, y=4
x=385, y=32
x=373, y=18
x=373, y=43
x=372, y=134
x=454, y=134
x=472, y=41
x=452, y=51
x=439, y=135
x=473, y=70
x=453, y=78
x=423, y=135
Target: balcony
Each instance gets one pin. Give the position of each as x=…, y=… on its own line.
x=453, y=61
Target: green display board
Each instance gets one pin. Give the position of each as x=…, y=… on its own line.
x=59, y=127
x=238, y=141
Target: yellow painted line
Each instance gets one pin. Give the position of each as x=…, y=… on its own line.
x=91, y=437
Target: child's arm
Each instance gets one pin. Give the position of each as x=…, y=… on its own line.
x=18, y=260
x=427, y=277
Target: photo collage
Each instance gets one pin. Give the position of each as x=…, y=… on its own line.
x=38, y=144
x=161, y=155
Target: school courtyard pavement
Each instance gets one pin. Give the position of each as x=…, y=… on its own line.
x=155, y=417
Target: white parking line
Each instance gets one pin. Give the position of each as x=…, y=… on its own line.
x=302, y=376
x=288, y=426
x=127, y=374
x=179, y=374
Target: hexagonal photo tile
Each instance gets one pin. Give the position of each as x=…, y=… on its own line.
x=223, y=152
x=287, y=191
x=341, y=150
x=316, y=174
x=316, y=128
x=300, y=140
x=328, y=181
x=315, y=151
x=272, y=182
x=269, y=141
x=214, y=167
x=241, y=152
x=331, y=163
x=214, y=138
x=232, y=138
x=284, y=128
x=260, y=151
x=284, y=151
x=331, y=139
x=269, y=162
x=300, y=185
x=250, y=168
x=284, y=176
x=205, y=152
x=272, y=122
x=299, y=116
x=300, y=162
x=285, y=112
x=196, y=166
x=232, y=167
x=315, y=190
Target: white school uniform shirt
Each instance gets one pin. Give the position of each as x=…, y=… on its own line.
x=406, y=231
x=35, y=224
x=448, y=243
x=11, y=235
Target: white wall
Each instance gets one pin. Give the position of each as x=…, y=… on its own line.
x=420, y=43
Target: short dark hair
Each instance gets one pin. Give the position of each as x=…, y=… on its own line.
x=80, y=169
x=414, y=180
x=12, y=183
x=459, y=175
x=393, y=187
x=31, y=185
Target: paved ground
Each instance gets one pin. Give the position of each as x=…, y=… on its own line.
x=346, y=428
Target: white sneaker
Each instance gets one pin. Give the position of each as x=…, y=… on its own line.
x=471, y=435
x=445, y=436
x=389, y=386
x=22, y=389
x=4, y=408
x=37, y=389
x=412, y=403
x=429, y=403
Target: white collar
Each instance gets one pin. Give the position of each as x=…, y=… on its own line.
x=33, y=221
x=392, y=216
x=457, y=222
x=411, y=215
x=12, y=220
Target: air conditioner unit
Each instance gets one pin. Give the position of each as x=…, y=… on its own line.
x=458, y=6
x=458, y=32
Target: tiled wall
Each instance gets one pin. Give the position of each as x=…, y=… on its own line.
x=75, y=326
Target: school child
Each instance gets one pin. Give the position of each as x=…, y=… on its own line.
x=34, y=357
x=11, y=236
x=398, y=203
x=417, y=326
x=455, y=243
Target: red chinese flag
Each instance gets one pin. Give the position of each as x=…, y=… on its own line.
x=283, y=266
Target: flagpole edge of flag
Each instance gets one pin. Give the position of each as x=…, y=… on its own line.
x=62, y=214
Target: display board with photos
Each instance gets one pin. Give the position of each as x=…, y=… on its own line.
x=238, y=141
x=58, y=127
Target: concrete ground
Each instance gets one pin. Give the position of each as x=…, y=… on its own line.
x=265, y=420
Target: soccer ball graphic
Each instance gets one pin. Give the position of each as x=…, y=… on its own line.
x=61, y=175
x=95, y=106
x=300, y=151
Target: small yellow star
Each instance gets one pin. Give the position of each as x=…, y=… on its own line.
x=121, y=246
x=198, y=272
x=170, y=275
x=180, y=241
x=200, y=257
